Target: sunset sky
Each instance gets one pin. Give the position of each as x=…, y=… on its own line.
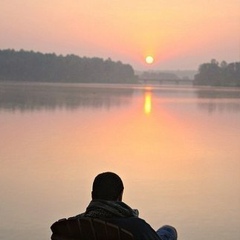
x=178, y=34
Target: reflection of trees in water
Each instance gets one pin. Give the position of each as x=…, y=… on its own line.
x=219, y=100
x=30, y=97
x=212, y=106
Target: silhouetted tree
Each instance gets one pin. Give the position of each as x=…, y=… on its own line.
x=215, y=74
x=34, y=66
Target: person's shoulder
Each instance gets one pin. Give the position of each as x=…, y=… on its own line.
x=135, y=220
x=63, y=221
x=137, y=226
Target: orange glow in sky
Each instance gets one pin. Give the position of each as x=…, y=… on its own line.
x=179, y=34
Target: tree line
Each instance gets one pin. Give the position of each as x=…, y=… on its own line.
x=35, y=66
x=218, y=74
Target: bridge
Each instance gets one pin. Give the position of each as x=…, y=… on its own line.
x=166, y=81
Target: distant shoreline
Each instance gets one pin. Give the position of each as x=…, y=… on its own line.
x=112, y=85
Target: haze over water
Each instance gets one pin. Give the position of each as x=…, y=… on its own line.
x=176, y=149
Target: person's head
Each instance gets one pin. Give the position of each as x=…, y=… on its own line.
x=107, y=186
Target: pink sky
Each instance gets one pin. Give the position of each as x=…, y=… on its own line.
x=178, y=34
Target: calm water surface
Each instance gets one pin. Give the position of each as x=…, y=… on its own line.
x=177, y=150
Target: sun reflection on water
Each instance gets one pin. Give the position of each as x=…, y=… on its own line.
x=148, y=102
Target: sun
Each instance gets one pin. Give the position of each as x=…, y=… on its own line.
x=149, y=59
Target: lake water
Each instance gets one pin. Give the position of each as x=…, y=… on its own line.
x=177, y=150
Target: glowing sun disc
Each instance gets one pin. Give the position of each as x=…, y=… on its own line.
x=149, y=59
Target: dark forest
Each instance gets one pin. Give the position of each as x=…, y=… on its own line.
x=38, y=67
x=218, y=74
x=32, y=66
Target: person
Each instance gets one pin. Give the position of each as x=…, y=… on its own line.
x=107, y=204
